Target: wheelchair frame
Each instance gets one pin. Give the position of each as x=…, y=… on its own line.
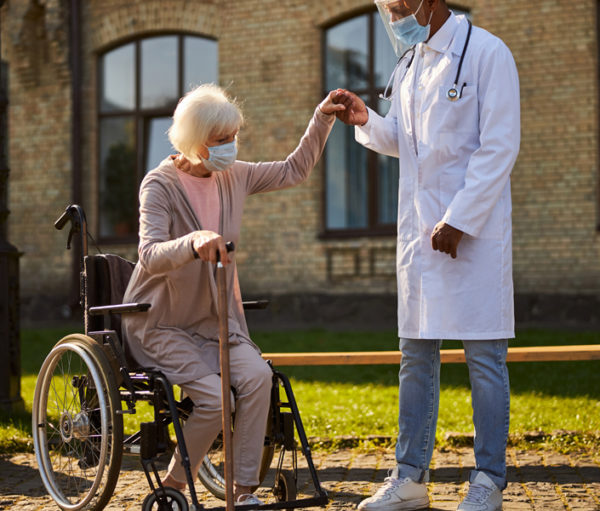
x=94, y=435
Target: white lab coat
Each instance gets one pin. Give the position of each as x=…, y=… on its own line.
x=459, y=173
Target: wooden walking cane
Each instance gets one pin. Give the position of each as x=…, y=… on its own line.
x=225, y=379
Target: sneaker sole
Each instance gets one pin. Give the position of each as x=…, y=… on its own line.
x=407, y=505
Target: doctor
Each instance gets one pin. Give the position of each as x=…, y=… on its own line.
x=454, y=126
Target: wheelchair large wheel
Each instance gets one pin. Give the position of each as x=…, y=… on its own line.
x=211, y=472
x=77, y=430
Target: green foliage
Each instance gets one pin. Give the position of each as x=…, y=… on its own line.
x=554, y=404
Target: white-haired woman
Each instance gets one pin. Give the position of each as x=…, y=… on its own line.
x=189, y=206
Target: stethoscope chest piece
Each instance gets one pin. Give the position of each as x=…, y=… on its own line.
x=452, y=94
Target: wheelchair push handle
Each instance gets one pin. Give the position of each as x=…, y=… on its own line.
x=75, y=214
x=62, y=220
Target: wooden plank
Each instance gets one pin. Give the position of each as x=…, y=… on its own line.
x=521, y=354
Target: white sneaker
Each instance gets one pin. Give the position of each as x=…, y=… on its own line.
x=248, y=499
x=483, y=495
x=397, y=495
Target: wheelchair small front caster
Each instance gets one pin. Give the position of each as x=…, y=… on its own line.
x=285, y=486
x=175, y=501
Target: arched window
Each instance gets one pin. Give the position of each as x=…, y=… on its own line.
x=139, y=85
x=361, y=186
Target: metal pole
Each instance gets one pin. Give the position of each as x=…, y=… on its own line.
x=76, y=130
x=225, y=383
x=10, y=362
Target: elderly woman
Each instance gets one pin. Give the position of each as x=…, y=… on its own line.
x=189, y=206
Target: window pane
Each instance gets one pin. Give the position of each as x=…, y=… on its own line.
x=385, y=57
x=346, y=180
x=159, y=72
x=347, y=54
x=118, y=79
x=157, y=142
x=388, y=189
x=118, y=180
x=201, y=62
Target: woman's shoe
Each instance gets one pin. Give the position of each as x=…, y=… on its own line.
x=247, y=499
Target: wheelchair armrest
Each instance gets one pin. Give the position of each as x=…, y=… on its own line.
x=256, y=304
x=119, y=309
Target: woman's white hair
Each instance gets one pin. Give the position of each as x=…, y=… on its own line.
x=203, y=112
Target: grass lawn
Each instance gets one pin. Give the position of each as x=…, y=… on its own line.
x=361, y=401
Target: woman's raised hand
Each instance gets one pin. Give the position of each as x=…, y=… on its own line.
x=207, y=243
x=329, y=105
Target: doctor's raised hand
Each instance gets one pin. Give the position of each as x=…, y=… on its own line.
x=355, y=111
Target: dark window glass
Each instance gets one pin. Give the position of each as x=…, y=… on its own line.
x=347, y=54
x=118, y=79
x=140, y=84
x=159, y=72
x=118, y=181
x=157, y=141
x=360, y=197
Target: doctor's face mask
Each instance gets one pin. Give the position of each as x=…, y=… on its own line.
x=400, y=21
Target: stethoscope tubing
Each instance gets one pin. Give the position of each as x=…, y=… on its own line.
x=453, y=93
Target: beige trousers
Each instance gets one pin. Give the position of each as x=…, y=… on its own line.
x=252, y=378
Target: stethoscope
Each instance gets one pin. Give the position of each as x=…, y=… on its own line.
x=453, y=93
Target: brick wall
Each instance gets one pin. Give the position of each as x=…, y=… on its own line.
x=270, y=53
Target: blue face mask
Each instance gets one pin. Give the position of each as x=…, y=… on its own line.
x=220, y=157
x=409, y=31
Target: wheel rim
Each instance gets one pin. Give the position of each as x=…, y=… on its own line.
x=70, y=414
x=175, y=501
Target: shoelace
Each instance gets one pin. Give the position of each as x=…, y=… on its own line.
x=477, y=494
x=389, y=485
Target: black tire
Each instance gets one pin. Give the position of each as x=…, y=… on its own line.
x=175, y=501
x=77, y=430
x=285, y=486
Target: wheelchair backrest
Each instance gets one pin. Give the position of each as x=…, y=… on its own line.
x=107, y=279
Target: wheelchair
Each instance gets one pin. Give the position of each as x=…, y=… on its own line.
x=88, y=382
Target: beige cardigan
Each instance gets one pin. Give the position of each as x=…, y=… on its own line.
x=179, y=333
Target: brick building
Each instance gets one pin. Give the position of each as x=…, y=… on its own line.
x=93, y=82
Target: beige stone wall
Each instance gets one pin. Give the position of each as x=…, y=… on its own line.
x=34, y=42
x=270, y=55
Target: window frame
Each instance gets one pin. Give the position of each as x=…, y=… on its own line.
x=140, y=116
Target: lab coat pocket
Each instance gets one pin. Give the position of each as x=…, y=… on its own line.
x=458, y=126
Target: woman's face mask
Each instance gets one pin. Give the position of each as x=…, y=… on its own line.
x=220, y=157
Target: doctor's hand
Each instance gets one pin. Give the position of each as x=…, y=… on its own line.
x=355, y=111
x=329, y=106
x=445, y=238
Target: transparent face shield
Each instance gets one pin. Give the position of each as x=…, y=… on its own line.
x=391, y=11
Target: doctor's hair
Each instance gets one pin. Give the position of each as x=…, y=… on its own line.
x=203, y=112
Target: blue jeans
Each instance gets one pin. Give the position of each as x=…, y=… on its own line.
x=419, y=395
